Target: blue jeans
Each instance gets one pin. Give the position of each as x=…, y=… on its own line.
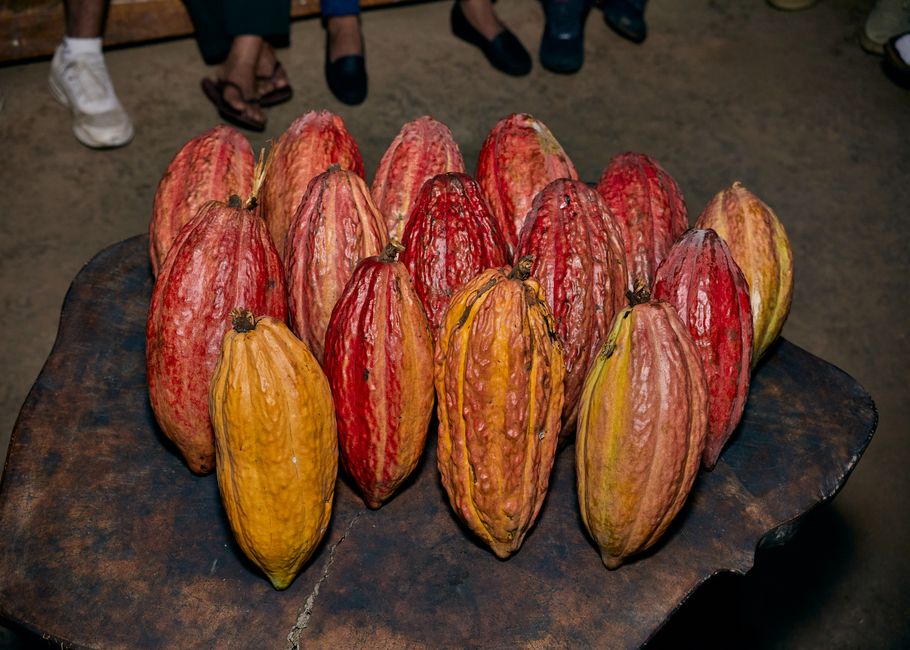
x=332, y=8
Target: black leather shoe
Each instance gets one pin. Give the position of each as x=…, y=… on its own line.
x=505, y=52
x=562, y=45
x=346, y=76
x=627, y=18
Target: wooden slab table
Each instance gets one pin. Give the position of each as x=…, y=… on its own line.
x=107, y=540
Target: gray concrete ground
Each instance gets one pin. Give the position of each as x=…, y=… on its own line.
x=721, y=90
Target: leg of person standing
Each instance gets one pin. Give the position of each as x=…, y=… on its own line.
x=80, y=81
x=345, y=62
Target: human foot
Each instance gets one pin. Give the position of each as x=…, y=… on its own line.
x=345, y=38
x=272, y=85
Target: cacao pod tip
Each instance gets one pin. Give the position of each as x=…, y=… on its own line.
x=612, y=562
x=391, y=251
x=243, y=320
x=522, y=269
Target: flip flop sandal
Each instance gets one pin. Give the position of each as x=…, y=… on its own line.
x=276, y=95
x=214, y=90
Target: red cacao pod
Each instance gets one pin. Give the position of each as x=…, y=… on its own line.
x=580, y=264
x=422, y=149
x=450, y=237
x=222, y=258
x=701, y=280
x=649, y=208
x=499, y=386
x=641, y=430
x=379, y=361
x=310, y=145
x=210, y=167
x=336, y=225
x=518, y=158
x=761, y=248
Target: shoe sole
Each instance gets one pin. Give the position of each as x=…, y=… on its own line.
x=83, y=135
x=871, y=46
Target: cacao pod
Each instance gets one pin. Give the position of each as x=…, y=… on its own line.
x=335, y=227
x=222, y=257
x=641, y=430
x=310, y=145
x=761, y=249
x=210, y=167
x=450, y=237
x=276, y=444
x=580, y=264
x=422, y=149
x=379, y=361
x=499, y=387
x=649, y=208
x=518, y=158
x=701, y=280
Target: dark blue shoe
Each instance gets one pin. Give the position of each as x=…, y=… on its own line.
x=562, y=45
x=627, y=18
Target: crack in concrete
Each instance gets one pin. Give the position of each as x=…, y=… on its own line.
x=303, y=618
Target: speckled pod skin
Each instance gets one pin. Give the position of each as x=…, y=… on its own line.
x=519, y=157
x=649, y=208
x=450, y=237
x=379, y=361
x=761, y=249
x=312, y=143
x=580, y=264
x=701, y=280
x=499, y=389
x=223, y=257
x=642, y=421
x=210, y=167
x=422, y=149
x=335, y=227
x=276, y=445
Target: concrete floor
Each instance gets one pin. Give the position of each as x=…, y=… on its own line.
x=722, y=90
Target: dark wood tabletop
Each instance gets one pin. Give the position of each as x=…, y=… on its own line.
x=108, y=540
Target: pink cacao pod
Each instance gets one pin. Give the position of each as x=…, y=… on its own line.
x=450, y=237
x=422, y=149
x=379, y=361
x=649, y=208
x=518, y=158
x=641, y=430
x=210, y=167
x=761, y=248
x=580, y=264
x=701, y=280
x=336, y=225
x=222, y=258
x=310, y=145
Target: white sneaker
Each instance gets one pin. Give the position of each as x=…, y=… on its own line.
x=886, y=19
x=84, y=86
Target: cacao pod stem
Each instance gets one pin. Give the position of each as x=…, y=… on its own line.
x=243, y=320
x=522, y=269
x=262, y=166
x=391, y=250
x=641, y=294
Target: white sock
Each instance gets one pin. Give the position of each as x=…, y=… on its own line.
x=76, y=46
x=902, y=45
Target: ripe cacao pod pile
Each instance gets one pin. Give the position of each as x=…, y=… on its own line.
x=529, y=306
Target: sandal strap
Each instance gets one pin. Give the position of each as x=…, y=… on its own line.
x=223, y=83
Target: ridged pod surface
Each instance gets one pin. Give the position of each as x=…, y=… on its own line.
x=310, y=145
x=642, y=421
x=335, y=227
x=210, y=167
x=499, y=387
x=649, y=208
x=379, y=361
x=450, y=237
x=519, y=157
x=223, y=257
x=276, y=445
x=761, y=248
x=580, y=264
x=701, y=280
x=422, y=149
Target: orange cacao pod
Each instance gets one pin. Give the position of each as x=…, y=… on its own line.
x=580, y=264
x=761, y=249
x=312, y=143
x=335, y=227
x=649, y=208
x=499, y=386
x=641, y=430
x=276, y=444
x=701, y=280
x=222, y=257
x=518, y=158
x=422, y=149
x=379, y=361
x=210, y=167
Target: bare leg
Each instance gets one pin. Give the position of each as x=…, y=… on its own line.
x=480, y=14
x=85, y=18
x=265, y=67
x=240, y=68
x=344, y=37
